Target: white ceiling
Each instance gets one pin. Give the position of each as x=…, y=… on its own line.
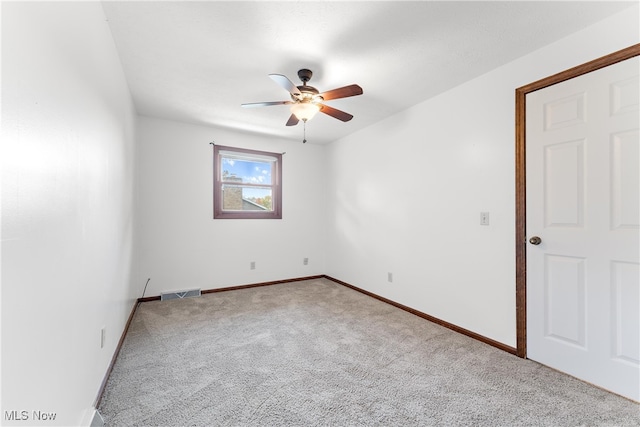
x=198, y=61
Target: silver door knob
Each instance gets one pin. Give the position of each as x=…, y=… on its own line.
x=535, y=240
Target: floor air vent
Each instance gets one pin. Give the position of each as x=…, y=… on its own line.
x=180, y=294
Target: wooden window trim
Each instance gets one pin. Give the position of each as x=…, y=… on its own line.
x=220, y=213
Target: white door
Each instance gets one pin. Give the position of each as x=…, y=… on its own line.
x=583, y=198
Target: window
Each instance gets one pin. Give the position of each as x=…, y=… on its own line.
x=247, y=183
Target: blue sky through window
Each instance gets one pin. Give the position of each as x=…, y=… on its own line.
x=251, y=172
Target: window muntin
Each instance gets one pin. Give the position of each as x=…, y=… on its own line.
x=247, y=183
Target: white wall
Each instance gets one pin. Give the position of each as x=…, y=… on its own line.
x=405, y=195
x=181, y=246
x=68, y=128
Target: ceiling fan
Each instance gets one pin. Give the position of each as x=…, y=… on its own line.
x=306, y=100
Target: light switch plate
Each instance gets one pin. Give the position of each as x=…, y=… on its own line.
x=484, y=218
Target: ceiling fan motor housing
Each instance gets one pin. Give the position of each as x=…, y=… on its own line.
x=309, y=93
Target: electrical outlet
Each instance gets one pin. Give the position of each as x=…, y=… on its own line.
x=390, y=277
x=103, y=336
x=252, y=265
x=305, y=261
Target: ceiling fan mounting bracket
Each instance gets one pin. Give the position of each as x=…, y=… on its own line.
x=305, y=75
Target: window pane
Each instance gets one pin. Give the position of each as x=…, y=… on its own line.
x=246, y=171
x=240, y=198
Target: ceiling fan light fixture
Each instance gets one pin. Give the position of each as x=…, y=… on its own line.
x=306, y=100
x=304, y=110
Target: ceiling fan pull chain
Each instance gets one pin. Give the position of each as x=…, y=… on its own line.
x=304, y=125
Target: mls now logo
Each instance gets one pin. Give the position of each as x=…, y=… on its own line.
x=26, y=415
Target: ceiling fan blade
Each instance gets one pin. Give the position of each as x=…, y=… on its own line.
x=285, y=83
x=343, y=92
x=293, y=120
x=333, y=112
x=266, y=104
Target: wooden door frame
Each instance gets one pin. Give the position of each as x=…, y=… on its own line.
x=521, y=202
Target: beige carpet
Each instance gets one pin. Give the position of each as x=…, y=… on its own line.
x=315, y=353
